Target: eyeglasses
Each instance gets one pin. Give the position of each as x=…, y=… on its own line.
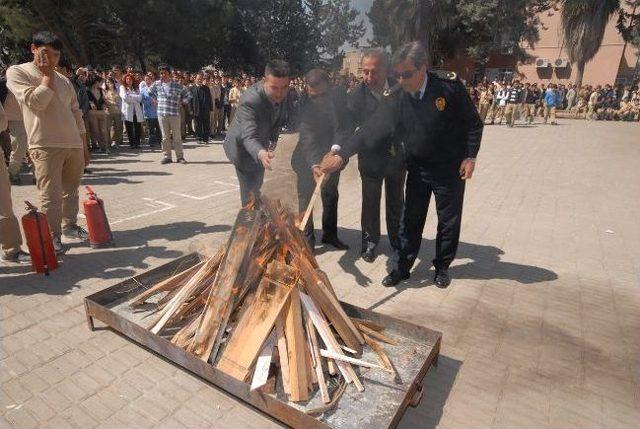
x=405, y=75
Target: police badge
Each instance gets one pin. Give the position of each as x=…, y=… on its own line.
x=441, y=103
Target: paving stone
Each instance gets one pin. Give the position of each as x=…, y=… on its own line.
x=539, y=325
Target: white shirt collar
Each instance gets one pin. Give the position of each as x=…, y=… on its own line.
x=423, y=88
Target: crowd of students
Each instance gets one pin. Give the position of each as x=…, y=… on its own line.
x=498, y=101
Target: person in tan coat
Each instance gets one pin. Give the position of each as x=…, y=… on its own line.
x=55, y=132
x=10, y=238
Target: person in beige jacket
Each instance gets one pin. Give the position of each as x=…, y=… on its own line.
x=55, y=132
x=18, y=137
x=10, y=238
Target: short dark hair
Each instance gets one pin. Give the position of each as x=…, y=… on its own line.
x=376, y=53
x=46, y=38
x=277, y=68
x=413, y=51
x=116, y=67
x=164, y=67
x=317, y=78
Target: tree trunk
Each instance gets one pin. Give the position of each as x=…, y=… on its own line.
x=580, y=73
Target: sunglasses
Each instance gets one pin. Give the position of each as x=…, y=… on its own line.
x=404, y=75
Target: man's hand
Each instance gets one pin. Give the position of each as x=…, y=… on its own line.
x=331, y=162
x=265, y=157
x=317, y=173
x=466, y=168
x=42, y=62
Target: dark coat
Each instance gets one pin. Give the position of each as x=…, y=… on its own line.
x=201, y=102
x=322, y=123
x=389, y=155
x=441, y=128
x=255, y=126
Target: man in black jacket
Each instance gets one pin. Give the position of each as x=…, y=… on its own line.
x=441, y=129
x=201, y=106
x=322, y=125
x=385, y=163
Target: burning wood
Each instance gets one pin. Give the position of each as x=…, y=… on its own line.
x=261, y=302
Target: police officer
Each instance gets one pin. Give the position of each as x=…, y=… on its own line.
x=384, y=163
x=442, y=131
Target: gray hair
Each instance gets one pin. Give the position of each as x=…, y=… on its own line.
x=376, y=53
x=413, y=51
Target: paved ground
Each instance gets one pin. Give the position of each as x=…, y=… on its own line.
x=540, y=324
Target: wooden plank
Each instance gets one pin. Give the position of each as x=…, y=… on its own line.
x=383, y=358
x=169, y=284
x=257, y=321
x=375, y=334
x=296, y=347
x=221, y=299
x=367, y=323
x=329, y=305
x=311, y=334
x=283, y=356
x=325, y=333
x=339, y=356
x=261, y=373
x=184, y=294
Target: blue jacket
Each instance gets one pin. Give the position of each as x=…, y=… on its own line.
x=550, y=98
x=149, y=108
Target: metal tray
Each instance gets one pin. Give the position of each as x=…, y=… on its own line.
x=381, y=405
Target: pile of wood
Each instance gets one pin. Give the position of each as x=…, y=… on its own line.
x=261, y=310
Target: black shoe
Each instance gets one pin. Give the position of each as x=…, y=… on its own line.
x=166, y=160
x=395, y=277
x=368, y=254
x=335, y=242
x=58, y=247
x=442, y=279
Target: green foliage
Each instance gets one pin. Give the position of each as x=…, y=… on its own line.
x=476, y=28
x=234, y=34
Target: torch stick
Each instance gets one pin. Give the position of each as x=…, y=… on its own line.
x=314, y=197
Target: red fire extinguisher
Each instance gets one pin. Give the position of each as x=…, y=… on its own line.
x=97, y=223
x=38, y=235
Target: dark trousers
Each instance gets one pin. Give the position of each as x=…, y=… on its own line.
x=250, y=184
x=370, y=214
x=227, y=115
x=155, y=135
x=134, y=131
x=203, y=128
x=328, y=194
x=445, y=183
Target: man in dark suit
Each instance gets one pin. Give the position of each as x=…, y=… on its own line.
x=441, y=130
x=322, y=125
x=201, y=106
x=253, y=134
x=385, y=163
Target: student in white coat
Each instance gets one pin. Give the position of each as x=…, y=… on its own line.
x=131, y=109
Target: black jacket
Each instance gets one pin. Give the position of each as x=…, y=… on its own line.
x=322, y=123
x=389, y=155
x=442, y=127
x=201, y=102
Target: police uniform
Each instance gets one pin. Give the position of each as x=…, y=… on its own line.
x=440, y=128
x=385, y=164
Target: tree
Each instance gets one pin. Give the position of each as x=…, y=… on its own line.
x=448, y=28
x=583, y=24
x=629, y=22
x=334, y=23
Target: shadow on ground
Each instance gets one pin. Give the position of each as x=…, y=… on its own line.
x=437, y=386
x=485, y=264
x=127, y=259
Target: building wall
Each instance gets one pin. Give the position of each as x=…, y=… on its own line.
x=602, y=69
